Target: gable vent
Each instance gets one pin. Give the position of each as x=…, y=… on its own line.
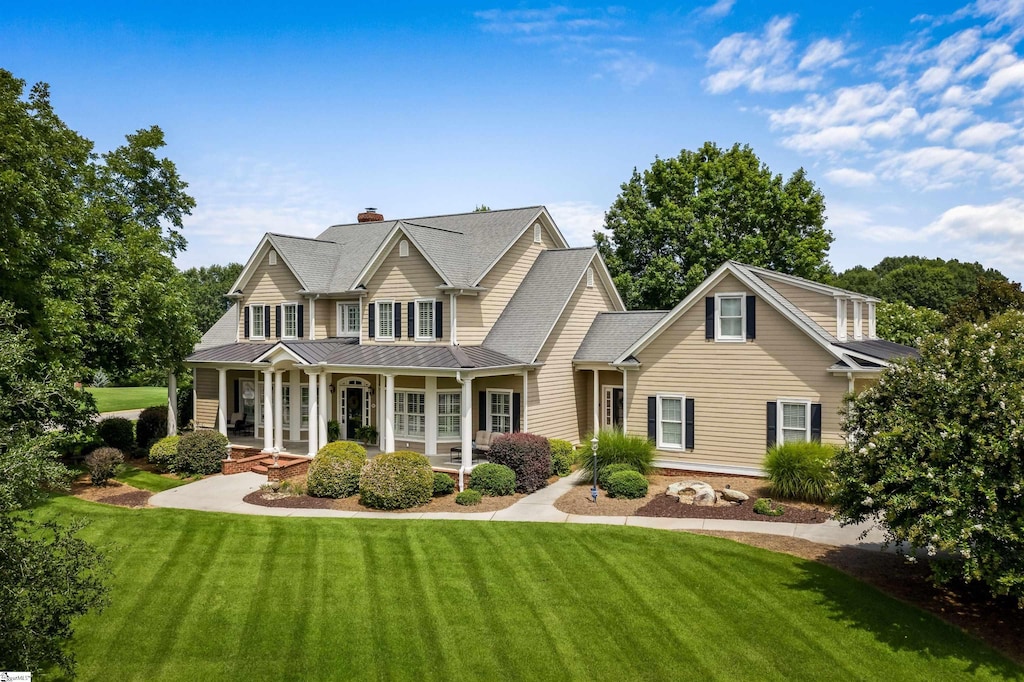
x=370, y=215
x=272, y=258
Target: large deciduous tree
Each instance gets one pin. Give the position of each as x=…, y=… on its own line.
x=680, y=219
x=206, y=289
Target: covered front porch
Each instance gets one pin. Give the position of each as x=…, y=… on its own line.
x=450, y=461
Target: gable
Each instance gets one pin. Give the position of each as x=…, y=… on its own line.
x=818, y=306
x=259, y=263
x=404, y=277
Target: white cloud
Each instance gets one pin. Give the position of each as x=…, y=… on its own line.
x=854, y=221
x=626, y=66
x=935, y=168
x=760, y=63
x=578, y=220
x=1002, y=221
x=824, y=53
x=851, y=177
x=720, y=9
x=985, y=134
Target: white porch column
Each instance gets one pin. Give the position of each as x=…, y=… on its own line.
x=222, y=401
x=625, y=401
x=430, y=415
x=388, y=442
x=172, y=404
x=597, y=400
x=526, y=401
x=322, y=411
x=278, y=410
x=312, y=432
x=268, y=410
x=466, y=424
x=295, y=406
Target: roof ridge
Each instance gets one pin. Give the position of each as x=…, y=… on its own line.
x=430, y=227
x=446, y=215
x=572, y=248
x=293, y=236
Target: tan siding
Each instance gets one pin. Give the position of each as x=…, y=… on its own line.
x=819, y=307
x=860, y=385
x=403, y=280
x=477, y=314
x=731, y=383
x=206, y=389
x=555, y=384
x=271, y=285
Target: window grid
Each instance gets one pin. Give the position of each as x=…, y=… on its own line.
x=257, y=322
x=386, y=320
x=286, y=406
x=304, y=407
x=794, y=421
x=348, y=319
x=291, y=320
x=449, y=415
x=500, y=411
x=730, y=317
x=425, y=320
x=410, y=410
x=670, y=421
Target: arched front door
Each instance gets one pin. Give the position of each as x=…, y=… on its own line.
x=353, y=405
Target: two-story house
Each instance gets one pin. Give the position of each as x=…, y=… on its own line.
x=431, y=329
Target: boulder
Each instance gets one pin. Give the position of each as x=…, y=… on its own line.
x=734, y=495
x=676, y=488
x=703, y=494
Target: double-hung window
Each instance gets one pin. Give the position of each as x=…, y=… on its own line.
x=290, y=313
x=794, y=421
x=729, y=317
x=257, y=320
x=304, y=407
x=425, y=320
x=286, y=406
x=385, y=320
x=348, y=319
x=410, y=411
x=449, y=416
x=670, y=421
x=499, y=411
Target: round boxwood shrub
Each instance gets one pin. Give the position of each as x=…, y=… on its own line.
x=562, y=456
x=396, y=480
x=200, y=452
x=468, y=497
x=610, y=470
x=335, y=470
x=443, y=484
x=103, y=464
x=117, y=432
x=493, y=480
x=528, y=455
x=630, y=485
x=163, y=452
x=152, y=425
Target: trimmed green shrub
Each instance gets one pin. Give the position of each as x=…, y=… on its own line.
x=616, y=447
x=200, y=452
x=607, y=472
x=468, y=497
x=396, y=480
x=443, y=484
x=163, y=452
x=152, y=426
x=333, y=431
x=562, y=456
x=103, y=463
x=528, y=455
x=801, y=471
x=765, y=507
x=493, y=480
x=117, y=432
x=335, y=470
x=630, y=485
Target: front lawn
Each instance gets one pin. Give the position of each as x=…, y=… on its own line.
x=119, y=398
x=217, y=596
x=148, y=480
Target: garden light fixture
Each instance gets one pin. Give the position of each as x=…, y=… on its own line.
x=593, y=448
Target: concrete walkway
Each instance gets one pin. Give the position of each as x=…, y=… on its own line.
x=225, y=493
x=133, y=415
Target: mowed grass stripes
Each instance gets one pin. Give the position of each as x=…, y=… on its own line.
x=209, y=596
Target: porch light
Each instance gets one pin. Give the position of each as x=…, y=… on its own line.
x=593, y=448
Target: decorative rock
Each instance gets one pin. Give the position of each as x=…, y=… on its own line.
x=703, y=494
x=734, y=495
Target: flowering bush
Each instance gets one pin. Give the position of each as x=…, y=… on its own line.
x=938, y=451
x=906, y=324
x=396, y=480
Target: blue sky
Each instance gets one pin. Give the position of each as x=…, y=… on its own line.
x=289, y=117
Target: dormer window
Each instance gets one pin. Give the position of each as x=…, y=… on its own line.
x=841, y=319
x=537, y=234
x=403, y=249
x=272, y=257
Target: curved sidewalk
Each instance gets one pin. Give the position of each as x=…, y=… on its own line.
x=225, y=493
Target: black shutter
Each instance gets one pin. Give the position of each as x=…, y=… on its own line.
x=751, y=317
x=237, y=406
x=301, y=307
x=396, y=308
x=816, y=422
x=277, y=320
x=412, y=320
x=652, y=419
x=438, y=319
x=245, y=313
x=773, y=417
x=266, y=321
x=482, y=411
x=709, y=317
x=371, y=320
x=517, y=410
x=689, y=424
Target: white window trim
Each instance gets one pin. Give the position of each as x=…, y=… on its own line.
x=608, y=408
x=379, y=318
x=538, y=234
x=253, y=334
x=841, y=319
x=341, y=318
x=872, y=334
x=416, y=321
x=443, y=435
x=284, y=320
x=743, y=317
x=404, y=434
x=779, y=435
x=490, y=391
x=662, y=445
x=858, y=320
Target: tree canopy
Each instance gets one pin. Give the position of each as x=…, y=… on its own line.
x=206, y=288
x=675, y=223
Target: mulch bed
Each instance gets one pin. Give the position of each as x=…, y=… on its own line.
x=111, y=492
x=134, y=498
x=665, y=506
x=446, y=503
x=264, y=499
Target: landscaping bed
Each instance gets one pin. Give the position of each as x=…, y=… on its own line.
x=111, y=492
x=267, y=498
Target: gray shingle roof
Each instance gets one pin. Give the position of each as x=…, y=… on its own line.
x=528, y=317
x=348, y=352
x=613, y=332
x=313, y=260
x=223, y=331
x=881, y=349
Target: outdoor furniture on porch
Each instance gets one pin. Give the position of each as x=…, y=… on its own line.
x=239, y=425
x=481, y=446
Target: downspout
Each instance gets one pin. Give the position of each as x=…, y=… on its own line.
x=454, y=321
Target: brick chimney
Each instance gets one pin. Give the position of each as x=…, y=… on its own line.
x=370, y=215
